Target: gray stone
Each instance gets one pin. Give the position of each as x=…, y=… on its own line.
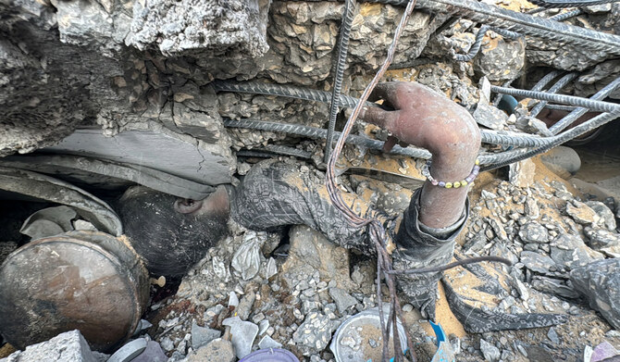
x=65, y=347
x=601, y=238
x=219, y=350
x=531, y=208
x=129, y=351
x=268, y=342
x=489, y=116
x=553, y=286
x=607, y=216
x=562, y=159
x=489, y=351
x=571, y=251
x=599, y=283
x=537, y=262
x=498, y=228
x=534, y=233
x=522, y=173
x=553, y=336
x=581, y=213
x=314, y=334
x=343, y=300
x=152, y=353
x=243, y=335
x=201, y=335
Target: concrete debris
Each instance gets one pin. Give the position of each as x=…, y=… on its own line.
x=599, y=283
x=129, y=351
x=66, y=347
x=152, y=353
x=201, y=335
x=582, y=213
x=119, y=93
x=243, y=335
x=219, y=350
x=489, y=351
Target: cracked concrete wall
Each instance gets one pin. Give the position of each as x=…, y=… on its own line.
x=117, y=63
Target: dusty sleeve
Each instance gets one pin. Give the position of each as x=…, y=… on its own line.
x=420, y=246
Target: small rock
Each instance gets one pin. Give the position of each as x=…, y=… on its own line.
x=233, y=300
x=522, y=173
x=581, y=213
x=218, y=350
x=167, y=344
x=152, y=353
x=536, y=262
x=553, y=336
x=268, y=342
x=601, y=238
x=534, y=233
x=243, y=335
x=607, y=217
x=489, y=351
x=201, y=335
x=68, y=346
x=342, y=299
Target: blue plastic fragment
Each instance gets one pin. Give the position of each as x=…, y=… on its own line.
x=439, y=333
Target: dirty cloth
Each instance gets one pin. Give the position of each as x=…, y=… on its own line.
x=275, y=194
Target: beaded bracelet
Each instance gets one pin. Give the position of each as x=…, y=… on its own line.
x=426, y=171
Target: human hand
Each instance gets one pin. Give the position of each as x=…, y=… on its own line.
x=427, y=119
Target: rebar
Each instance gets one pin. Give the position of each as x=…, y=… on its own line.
x=545, y=80
x=593, y=105
x=524, y=23
x=475, y=48
x=312, y=132
x=575, y=114
x=556, y=88
x=506, y=158
x=569, y=4
x=269, y=89
x=567, y=15
x=340, y=60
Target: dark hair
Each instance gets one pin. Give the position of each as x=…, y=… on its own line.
x=169, y=242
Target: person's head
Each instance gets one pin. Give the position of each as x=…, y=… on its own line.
x=169, y=233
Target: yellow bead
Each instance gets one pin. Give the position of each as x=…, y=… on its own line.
x=448, y=185
x=457, y=185
x=477, y=162
x=464, y=183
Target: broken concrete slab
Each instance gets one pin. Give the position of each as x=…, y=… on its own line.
x=108, y=175
x=66, y=347
x=156, y=147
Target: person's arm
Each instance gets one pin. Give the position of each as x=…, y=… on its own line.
x=429, y=120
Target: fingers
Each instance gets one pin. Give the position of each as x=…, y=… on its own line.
x=387, y=92
x=389, y=144
x=380, y=117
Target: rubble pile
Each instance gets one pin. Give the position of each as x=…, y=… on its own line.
x=144, y=74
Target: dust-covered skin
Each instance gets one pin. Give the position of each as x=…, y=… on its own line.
x=427, y=119
x=172, y=234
